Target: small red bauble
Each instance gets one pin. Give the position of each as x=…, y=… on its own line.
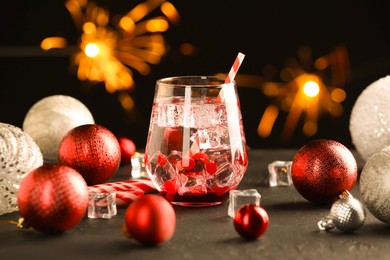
x=53, y=198
x=128, y=149
x=251, y=221
x=172, y=140
x=322, y=170
x=92, y=150
x=150, y=220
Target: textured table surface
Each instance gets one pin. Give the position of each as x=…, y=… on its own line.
x=208, y=233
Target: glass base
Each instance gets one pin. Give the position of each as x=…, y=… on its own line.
x=196, y=204
x=190, y=200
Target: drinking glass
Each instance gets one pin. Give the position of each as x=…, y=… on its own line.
x=196, y=149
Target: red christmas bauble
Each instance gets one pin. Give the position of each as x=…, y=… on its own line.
x=92, y=150
x=322, y=170
x=53, y=198
x=128, y=149
x=150, y=220
x=251, y=221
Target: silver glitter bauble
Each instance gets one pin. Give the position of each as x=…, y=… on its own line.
x=346, y=214
x=51, y=118
x=370, y=119
x=19, y=155
x=375, y=185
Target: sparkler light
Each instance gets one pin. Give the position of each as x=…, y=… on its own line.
x=304, y=94
x=108, y=52
x=111, y=47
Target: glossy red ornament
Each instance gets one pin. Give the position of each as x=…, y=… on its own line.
x=128, y=149
x=251, y=221
x=92, y=150
x=322, y=170
x=150, y=220
x=53, y=198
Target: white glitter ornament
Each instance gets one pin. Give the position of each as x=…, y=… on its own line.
x=370, y=119
x=19, y=155
x=51, y=118
x=375, y=185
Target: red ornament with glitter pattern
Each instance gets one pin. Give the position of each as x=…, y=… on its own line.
x=322, y=170
x=53, y=198
x=93, y=151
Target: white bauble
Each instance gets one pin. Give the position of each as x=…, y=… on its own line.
x=370, y=119
x=51, y=118
x=375, y=185
x=19, y=155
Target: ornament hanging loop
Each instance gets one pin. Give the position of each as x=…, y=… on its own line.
x=19, y=224
x=345, y=195
x=22, y=224
x=326, y=223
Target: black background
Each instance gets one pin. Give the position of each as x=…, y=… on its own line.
x=267, y=31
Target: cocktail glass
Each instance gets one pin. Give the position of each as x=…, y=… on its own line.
x=196, y=149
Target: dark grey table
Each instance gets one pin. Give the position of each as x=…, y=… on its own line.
x=208, y=233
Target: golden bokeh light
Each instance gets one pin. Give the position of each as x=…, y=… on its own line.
x=127, y=24
x=126, y=101
x=267, y=122
x=157, y=25
x=53, y=42
x=89, y=28
x=170, y=12
x=338, y=95
x=310, y=128
x=187, y=49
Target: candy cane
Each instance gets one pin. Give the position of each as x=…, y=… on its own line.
x=126, y=191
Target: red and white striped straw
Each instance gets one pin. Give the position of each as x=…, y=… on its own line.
x=126, y=191
x=236, y=65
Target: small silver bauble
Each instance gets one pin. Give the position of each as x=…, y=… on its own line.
x=19, y=155
x=347, y=214
x=51, y=118
x=370, y=118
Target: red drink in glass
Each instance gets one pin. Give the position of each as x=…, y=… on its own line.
x=196, y=150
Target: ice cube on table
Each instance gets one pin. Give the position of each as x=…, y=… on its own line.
x=239, y=198
x=280, y=173
x=102, y=205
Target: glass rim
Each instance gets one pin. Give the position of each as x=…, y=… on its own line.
x=174, y=81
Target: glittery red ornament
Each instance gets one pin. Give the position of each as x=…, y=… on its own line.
x=251, y=221
x=150, y=220
x=53, y=198
x=92, y=150
x=128, y=149
x=322, y=170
